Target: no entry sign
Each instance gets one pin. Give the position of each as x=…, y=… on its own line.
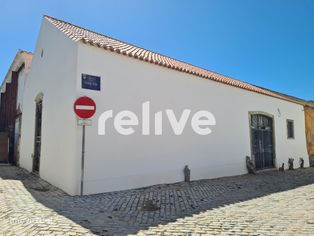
x=84, y=107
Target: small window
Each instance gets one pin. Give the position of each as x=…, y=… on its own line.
x=290, y=129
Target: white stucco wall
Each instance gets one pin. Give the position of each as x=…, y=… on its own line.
x=54, y=76
x=20, y=88
x=23, y=75
x=115, y=162
x=22, y=80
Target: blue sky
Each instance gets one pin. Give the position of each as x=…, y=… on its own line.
x=269, y=43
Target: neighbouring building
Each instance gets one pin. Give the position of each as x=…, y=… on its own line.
x=309, y=128
x=250, y=121
x=11, y=105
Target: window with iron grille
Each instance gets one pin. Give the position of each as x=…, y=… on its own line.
x=290, y=129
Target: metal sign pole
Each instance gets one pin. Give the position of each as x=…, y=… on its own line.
x=82, y=161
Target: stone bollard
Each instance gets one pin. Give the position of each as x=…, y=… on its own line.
x=187, y=174
x=290, y=163
x=250, y=165
x=301, y=161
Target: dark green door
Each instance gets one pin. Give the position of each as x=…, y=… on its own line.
x=262, y=141
x=37, y=145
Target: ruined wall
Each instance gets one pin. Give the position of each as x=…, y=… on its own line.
x=4, y=147
x=8, y=104
x=309, y=129
x=8, y=112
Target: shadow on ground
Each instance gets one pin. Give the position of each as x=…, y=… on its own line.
x=121, y=212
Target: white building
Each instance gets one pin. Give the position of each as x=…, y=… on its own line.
x=11, y=104
x=250, y=121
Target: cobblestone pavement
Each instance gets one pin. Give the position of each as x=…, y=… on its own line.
x=269, y=203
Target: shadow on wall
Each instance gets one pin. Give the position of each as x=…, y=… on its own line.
x=128, y=212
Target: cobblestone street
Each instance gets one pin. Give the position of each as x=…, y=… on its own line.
x=269, y=203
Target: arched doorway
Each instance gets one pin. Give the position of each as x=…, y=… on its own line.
x=262, y=140
x=37, y=141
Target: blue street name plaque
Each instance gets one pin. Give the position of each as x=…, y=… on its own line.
x=90, y=82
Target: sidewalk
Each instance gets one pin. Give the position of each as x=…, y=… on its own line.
x=271, y=203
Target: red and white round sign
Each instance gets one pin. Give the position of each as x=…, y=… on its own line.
x=84, y=107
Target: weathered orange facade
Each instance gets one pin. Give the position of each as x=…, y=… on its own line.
x=309, y=130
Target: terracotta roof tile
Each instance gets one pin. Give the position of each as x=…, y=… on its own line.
x=77, y=33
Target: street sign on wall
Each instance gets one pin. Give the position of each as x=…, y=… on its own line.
x=84, y=107
x=91, y=82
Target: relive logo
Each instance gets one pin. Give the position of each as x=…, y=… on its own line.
x=124, y=121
